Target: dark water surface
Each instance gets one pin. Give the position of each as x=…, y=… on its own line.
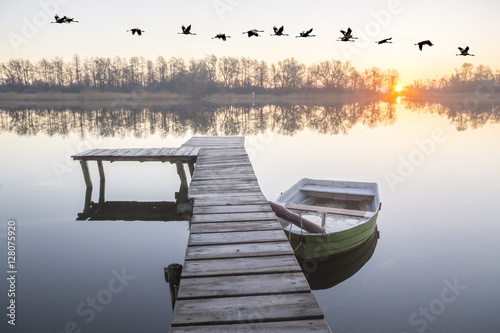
x=435, y=267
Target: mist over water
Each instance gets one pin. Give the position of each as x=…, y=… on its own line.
x=435, y=267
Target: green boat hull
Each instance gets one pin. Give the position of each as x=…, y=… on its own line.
x=323, y=245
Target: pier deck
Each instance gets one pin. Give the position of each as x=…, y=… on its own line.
x=240, y=273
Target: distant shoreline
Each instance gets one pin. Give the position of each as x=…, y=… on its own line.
x=167, y=98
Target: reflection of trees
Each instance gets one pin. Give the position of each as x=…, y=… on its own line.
x=180, y=119
x=463, y=115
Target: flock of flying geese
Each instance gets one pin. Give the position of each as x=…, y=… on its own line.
x=347, y=35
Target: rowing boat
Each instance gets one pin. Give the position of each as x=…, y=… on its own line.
x=346, y=211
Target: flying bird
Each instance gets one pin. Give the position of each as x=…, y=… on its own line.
x=422, y=43
x=383, y=41
x=221, y=36
x=134, y=30
x=253, y=32
x=186, y=30
x=279, y=32
x=306, y=34
x=347, y=36
x=464, y=52
x=63, y=19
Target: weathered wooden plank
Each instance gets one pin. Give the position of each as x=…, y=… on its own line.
x=243, y=285
x=224, y=157
x=217, y=166
x=221, y=176
x=183, y=151
x=131, y=152
x=242, y=309
x=224, y=165
x=236, y=237
x=223, y=181
x=240, y=266
x=216, y=142
x=228, y=201
x=82, y=154
x=231, y=209
x=221, y=170
x=224, y=190
x=254, y=326
x=214, y=227
x=103, y=152
x=233, y=217
x=151, y=152
x=227, y=195
x=238, y=250
x=226, y=187
x=165, y=151
x=340, y=211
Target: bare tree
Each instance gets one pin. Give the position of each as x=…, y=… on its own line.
x=228, y=70
x=261, y=73
x=291, y=73
x=391, y=78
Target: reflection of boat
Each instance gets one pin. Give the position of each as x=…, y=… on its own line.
x=332, y=270
x=348, y=210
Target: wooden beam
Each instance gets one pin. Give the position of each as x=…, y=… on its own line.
x=239, y=310
x=102, y=182
x=340, y=211
x=182, y=174
x=88, y=198
x=191, y=168
x=295, y=326
x=243, y=285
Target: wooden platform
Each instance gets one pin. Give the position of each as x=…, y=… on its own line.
x=240, y=273
x=182, y=154
x=178, y=156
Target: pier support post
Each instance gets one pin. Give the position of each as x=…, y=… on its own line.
x=102, y=183
x=183, y=190
x=88, y=183
x=173, y=277
x=191, y=168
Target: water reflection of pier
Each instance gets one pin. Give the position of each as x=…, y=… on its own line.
x=132, y=210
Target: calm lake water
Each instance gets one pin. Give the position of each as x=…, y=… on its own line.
x=435, y=267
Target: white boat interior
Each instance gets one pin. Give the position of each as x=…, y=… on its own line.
x=340, y=205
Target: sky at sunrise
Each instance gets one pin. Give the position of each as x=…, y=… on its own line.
x=27, y=32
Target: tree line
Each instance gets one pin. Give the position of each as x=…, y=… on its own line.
x=195, y=77
x=467, y=78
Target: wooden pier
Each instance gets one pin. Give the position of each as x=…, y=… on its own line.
x=240, y=273
x=178, y=156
